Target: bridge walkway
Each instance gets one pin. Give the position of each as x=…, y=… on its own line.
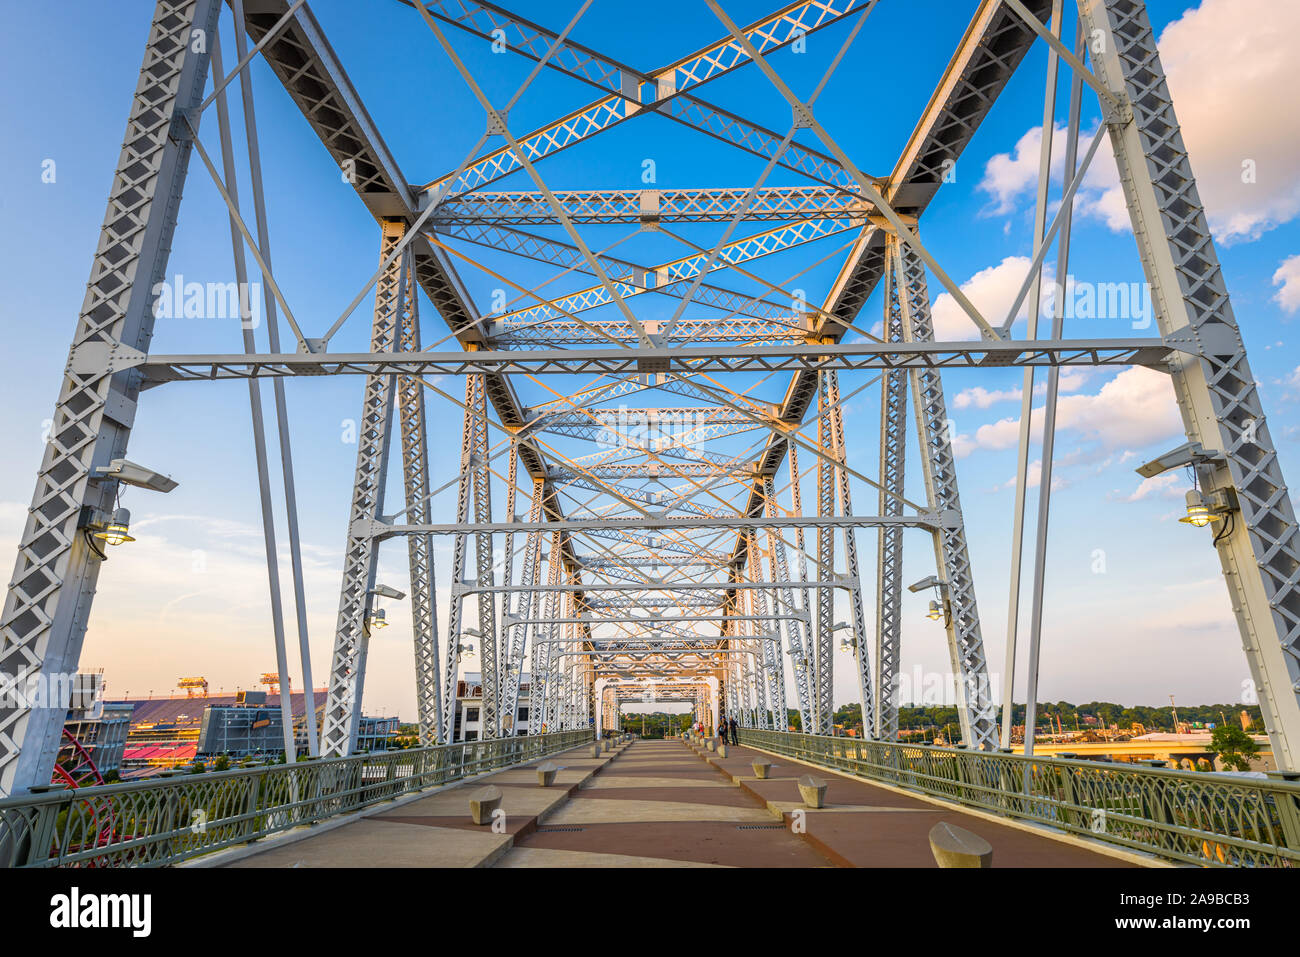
x=662, y=804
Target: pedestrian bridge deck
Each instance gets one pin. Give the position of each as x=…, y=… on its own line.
x=662, y=804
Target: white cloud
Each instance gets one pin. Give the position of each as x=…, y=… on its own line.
x=1225, y=61
x=1132, y=410
x=1005, y=433
x=981, y=398
x=1008, y=176
x=1288, y=278
x=978, y=397
x=992, y=291
x=1034, y=477
x=1071, y=380
x=1231, y=66
x=1168, y=485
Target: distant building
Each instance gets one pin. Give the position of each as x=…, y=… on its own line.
x=1179, y=750
x=374, y=734
x=469, y=709
x=101, y=732
x=240, y=730
x=174, y=731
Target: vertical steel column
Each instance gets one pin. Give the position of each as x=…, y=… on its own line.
x=780, y=571
x=1257, y=542
x=965, y=643
x=48, y=601
x=823, y=656
x=360, y=558
x=278, y=386
x=1027, y=386
x=761, y=618
x=889, y=540
x=415, y=472
x=1047, y=451
x=482, y=482
x=261, y=461
x=802, y=690
x=782, y=603
x=456, y=609
x=543, y=641
x=857, y=617
x=731, y=644
x=526, y=608
x=505, y=720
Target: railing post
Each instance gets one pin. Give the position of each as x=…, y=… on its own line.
x=960, y=773
x=1156, y=804
x=252, y=807
x=1288, y=811
x=1064, y=812
x=41, y=838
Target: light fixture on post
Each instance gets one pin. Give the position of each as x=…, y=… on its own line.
x=115, y=530
x=378, y=618
x=1202, y=507
x=465, y=649
x=847, y=643
x=938, y=608
x=1198, y=513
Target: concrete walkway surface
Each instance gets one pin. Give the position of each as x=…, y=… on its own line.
x=666, y=804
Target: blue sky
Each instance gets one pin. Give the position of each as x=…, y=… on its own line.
x=190, y=596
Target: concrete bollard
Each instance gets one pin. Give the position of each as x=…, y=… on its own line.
x=604, y=744
x=761, y=768
x=483, y=802
x=546, y=773
x=954, y=846
x=712, y=744
x=812, y=790
x=595, y=750
x=722, y=750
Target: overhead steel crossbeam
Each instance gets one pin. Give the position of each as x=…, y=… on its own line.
x=381, y=529
x=651, y=206
x=805, y=359
x=662, y=91
x=629, y=276
x=784, y=328
x=673, y=278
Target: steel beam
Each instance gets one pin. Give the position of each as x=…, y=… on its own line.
x=48, y=601
x=1257, y=540
x=360, y=563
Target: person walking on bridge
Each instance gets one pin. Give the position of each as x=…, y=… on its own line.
x=732, y=725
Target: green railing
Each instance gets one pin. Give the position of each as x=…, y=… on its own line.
x=170, y=819
x=1184, y=816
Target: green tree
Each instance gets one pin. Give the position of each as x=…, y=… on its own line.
x=1233, y=747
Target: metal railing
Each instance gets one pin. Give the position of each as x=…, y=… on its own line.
x=171, y=819
x=1184, y=816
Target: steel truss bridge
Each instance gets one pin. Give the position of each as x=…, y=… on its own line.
x=701, y=544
